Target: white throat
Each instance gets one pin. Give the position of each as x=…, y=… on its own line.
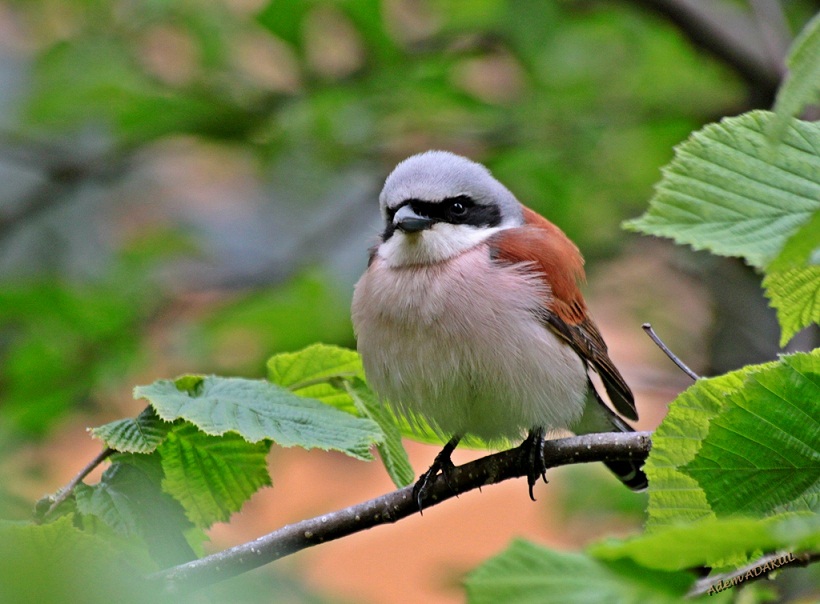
x=440, y=242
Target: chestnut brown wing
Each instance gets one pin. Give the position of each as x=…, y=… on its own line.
x=553, y=258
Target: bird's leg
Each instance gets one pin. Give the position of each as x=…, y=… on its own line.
x=533, y=450
x=441, y=465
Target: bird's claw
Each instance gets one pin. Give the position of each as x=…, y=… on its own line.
x=442, y=465
x=533, y=450
x=425, y=481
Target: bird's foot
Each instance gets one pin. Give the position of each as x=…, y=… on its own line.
x=533, y=450
x=442, y=465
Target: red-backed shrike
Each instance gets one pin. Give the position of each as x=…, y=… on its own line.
x=469, y=316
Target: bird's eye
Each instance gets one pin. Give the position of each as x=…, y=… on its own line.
x=457, y=209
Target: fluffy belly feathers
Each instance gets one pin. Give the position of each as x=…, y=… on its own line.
x=468, y=354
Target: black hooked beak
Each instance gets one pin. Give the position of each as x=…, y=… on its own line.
x=408, y=221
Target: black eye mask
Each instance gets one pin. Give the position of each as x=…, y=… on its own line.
x=452, y=210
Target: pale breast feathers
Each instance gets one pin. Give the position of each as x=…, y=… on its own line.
x=461, y=343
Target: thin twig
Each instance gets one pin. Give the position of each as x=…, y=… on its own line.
x=399, y=504
x=66, y=491
x=683, y=367
x=756, y=570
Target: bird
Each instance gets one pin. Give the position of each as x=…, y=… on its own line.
x=469, y=317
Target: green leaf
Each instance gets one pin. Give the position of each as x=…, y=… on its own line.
x=798, y=532
x=391, y=450
x=258, y=410
x=801, y=86
x=212, y=476
x=714, y=542
x=142, y=434
x=762, y=451
x=673, y=495
x=527, y=573
x=330, y=394
x=792, y=281
x=736, y=442
x=335, y=376
x=314, y=364
x=795, y=293
x=728, y=191
x=129, y=499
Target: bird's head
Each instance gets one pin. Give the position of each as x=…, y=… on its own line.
x=437, y=205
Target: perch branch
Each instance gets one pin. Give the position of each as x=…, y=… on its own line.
x=399, y=504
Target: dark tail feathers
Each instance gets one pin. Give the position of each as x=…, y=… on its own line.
x=598, y=417
x=628, y=472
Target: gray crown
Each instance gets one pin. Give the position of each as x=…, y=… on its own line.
x=437, y=175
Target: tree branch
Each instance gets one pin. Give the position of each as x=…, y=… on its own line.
x=64, y=170
x=773, y=26
x=399, y=504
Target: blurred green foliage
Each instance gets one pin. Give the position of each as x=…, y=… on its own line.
x=58, y=562
x=60, y=342
x=574, y=105
x=301, y=311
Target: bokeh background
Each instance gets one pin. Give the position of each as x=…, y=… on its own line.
x=191, y=186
